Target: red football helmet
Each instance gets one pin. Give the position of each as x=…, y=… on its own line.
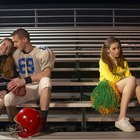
x=28, y=123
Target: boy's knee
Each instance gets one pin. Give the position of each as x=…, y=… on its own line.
x=45, y=82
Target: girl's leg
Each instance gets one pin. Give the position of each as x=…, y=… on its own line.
x=127, y=88
x=137, y=93
x=2, y=94
x=1, y=105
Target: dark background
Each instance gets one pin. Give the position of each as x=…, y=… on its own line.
x=69, y=1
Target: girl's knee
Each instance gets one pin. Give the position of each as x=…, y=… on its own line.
x=9, y=99
x=1, y=102
x=131, y=80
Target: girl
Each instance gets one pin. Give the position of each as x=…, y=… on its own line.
x=116, y=86
x=7, y=67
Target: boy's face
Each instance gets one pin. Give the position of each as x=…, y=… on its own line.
x=5, y=47
x=19, y=43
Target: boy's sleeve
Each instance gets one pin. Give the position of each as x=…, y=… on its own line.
x=48, y=59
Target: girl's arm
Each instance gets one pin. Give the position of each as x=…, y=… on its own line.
x=105, y=73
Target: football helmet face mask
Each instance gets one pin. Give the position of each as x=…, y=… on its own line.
x=28, y=123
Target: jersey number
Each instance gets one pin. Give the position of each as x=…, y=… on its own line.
x=26, y=65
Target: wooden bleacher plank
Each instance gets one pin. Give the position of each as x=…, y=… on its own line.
x=65, y=95
x=84, y=51
x=131, y=46
x=103, y=135
x=88, y=69
x=63, y=104
x=42, y=39
x=132, y=59
x=70, y=83
x=71, y=104
x=112, y=118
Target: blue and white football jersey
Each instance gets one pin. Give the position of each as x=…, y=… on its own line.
x=35, y=61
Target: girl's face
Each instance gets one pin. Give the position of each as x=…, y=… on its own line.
x=114, y=50
x=5, y=47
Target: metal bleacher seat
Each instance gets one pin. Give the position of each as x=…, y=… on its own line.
x=76, y=73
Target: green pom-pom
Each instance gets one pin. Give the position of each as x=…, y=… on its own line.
x=104, y=98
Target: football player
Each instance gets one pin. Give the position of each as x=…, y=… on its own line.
x=35, y=65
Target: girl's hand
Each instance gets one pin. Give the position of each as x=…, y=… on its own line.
x=3, y=93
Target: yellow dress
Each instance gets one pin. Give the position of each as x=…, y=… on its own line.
x=105, y=96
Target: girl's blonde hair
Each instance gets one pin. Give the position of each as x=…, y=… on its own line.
x=8, y=63
x=106, y=58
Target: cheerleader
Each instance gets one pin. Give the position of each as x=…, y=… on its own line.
x=116, y=84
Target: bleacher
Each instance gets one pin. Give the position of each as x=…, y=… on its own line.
x=76, y=73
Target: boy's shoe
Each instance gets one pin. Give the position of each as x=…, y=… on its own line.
x=125, y=125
